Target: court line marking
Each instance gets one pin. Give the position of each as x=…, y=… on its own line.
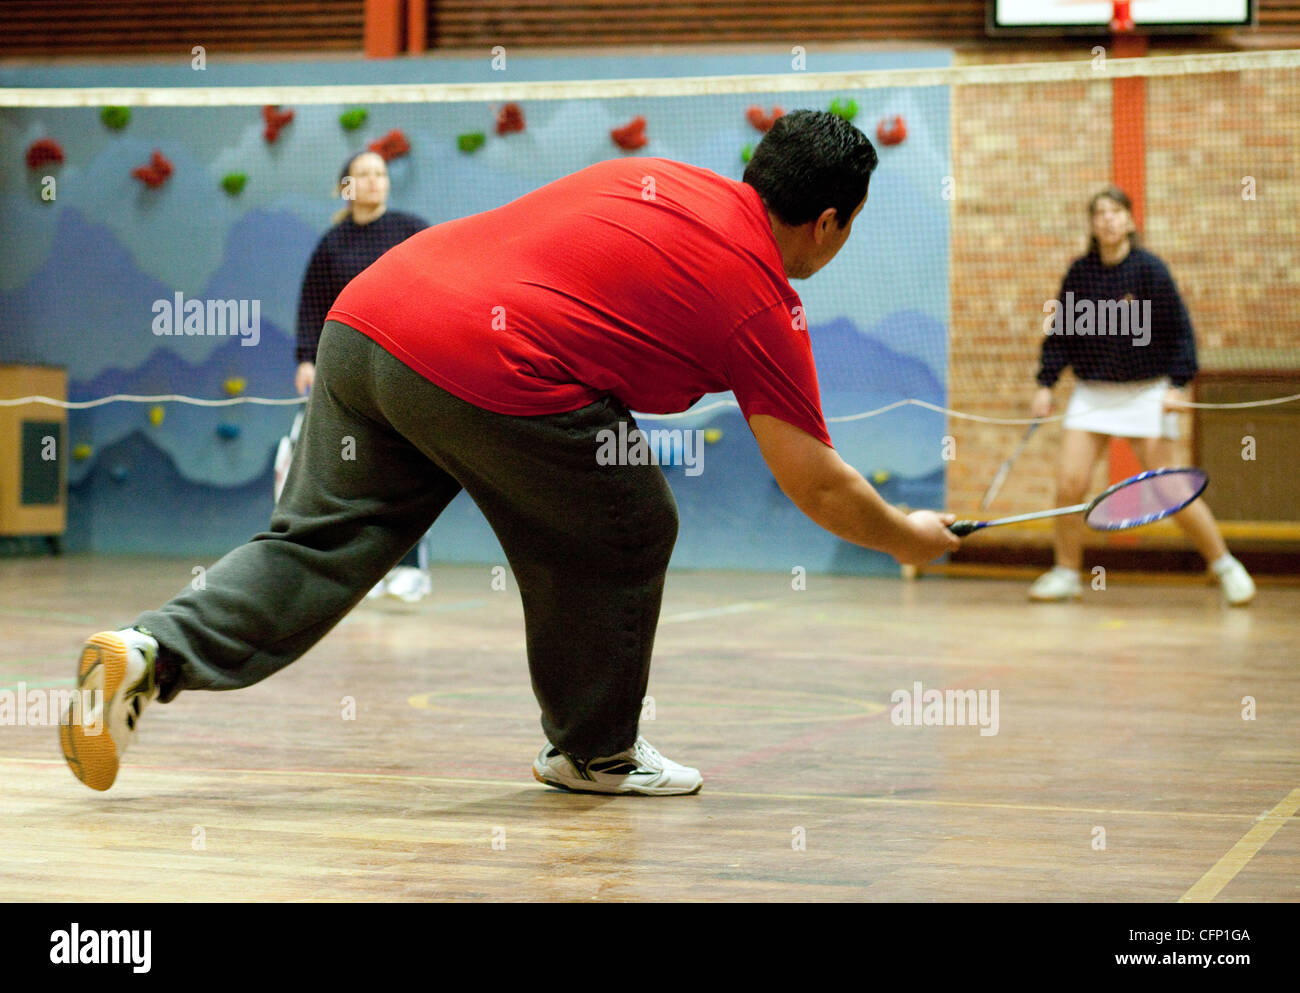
x=515, y=783
x=1226, y=869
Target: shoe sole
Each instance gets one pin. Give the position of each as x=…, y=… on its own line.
x=93, y=757
x=573, y=789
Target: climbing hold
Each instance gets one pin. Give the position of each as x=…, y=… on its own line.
x=391, y=146
x=276, y=120
x=891, y=134
x=763, y=121
x=510, y=118
x=155, y=173
x=43, y=151
x=354, y=118
x=470, y=142
x=631, y=135
x=115, y=117
x=847, y=109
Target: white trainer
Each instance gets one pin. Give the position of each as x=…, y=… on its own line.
x=1238, y=587
x=1058, y=584
x=408, y=583
x=115, y=681
x=639, y=770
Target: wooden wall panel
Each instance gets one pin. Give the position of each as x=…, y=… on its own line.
x=108, y=27
x=475, y=23
x=479, y=23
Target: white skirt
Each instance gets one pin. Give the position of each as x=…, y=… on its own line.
x=1124, y=410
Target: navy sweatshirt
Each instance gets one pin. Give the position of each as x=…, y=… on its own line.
x=342, y=253
x=1104, y=314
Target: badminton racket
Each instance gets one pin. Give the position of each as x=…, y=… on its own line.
x=1141, y=499
x=1005, y=468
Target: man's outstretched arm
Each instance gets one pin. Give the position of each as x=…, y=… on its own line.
x=835, y=496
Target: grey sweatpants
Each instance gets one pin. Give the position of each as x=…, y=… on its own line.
x=381, y=454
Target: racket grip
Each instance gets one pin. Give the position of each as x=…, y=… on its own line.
x=963, y=528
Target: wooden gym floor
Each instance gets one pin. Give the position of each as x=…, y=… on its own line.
x=1122, y=768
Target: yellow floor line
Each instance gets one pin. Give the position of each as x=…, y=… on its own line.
x=1223, y=872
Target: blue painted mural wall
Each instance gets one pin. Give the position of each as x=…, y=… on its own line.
x=80, y=277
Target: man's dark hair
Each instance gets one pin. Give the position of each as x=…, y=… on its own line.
x=811, y=160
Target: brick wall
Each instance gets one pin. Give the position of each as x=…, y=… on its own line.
x=1026, y=159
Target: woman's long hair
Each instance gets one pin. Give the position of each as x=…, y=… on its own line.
x=1121, y=198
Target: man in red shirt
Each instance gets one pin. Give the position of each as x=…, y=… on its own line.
x=496, y=354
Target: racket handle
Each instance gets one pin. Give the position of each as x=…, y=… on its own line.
x=963, y=528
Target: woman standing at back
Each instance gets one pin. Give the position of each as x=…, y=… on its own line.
x=363, y=230
x=1121, y=324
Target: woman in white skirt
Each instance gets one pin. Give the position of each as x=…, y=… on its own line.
x=1121, y=325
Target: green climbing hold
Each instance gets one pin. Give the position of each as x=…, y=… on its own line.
x=470, y=142
x=234, y=182
x=747, y=153
x=115, y=117
x=847, y=109
x=354, y=118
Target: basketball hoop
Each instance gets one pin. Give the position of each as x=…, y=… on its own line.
x=1121, y=21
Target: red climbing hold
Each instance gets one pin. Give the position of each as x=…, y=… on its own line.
x=42, y=152
x=510, y=118
x=763, y=122
x=391, y=146
x=631, y=135
x=275, y=119
x=893, y=134
x=155, y=173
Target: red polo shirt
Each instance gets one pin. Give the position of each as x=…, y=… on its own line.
x=646, y=279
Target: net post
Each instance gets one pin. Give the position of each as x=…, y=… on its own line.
x=1128, y=168
x=383, y=28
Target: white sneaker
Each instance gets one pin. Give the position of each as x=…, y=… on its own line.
x=640, y=769
x=1238, y=587
x=117, y=671
x=1058, y=584
x=408, y=583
